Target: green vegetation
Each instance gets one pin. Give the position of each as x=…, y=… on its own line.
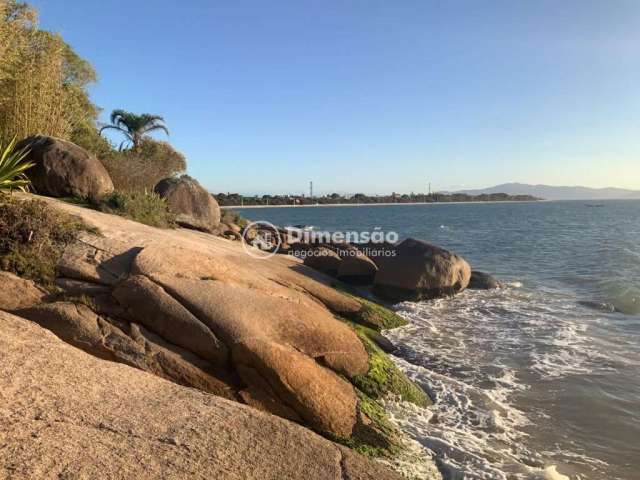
x=383, y=376
x=43, y=82
x=33, y=237
x=12, y=168
x=372, y=314
x=140, y=169
x=147, y=208
x=229, y=216
x=377, y=438
x=378, y=317
x=43, y=90
x=135, y=127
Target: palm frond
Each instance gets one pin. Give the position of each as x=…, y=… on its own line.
x=134, y=126
x=153, y=128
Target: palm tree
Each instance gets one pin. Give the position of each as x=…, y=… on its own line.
x=135, y=127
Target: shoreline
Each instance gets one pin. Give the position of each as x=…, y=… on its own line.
x=378, y=204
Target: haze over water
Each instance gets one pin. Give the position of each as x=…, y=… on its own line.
x=525, y=377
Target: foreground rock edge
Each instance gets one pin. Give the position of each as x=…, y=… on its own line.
x=68, y=413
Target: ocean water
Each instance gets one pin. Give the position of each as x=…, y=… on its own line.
x=529, y=382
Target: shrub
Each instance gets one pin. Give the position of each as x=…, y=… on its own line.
x=147, y=208
x=140, y=169
x=229, y=216
x=12, y=167
x=33, y=236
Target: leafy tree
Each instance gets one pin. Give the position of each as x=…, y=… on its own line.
x=135, y=127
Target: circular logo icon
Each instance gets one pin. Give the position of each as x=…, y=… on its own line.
x=261, y=240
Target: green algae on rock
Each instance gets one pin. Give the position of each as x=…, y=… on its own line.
x=372, y=314
x=384, y=377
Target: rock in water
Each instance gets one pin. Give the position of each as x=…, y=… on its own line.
x=193, y=206
x=482, y=281
x=420, y=270
x=65, y=413
x=63, y=169
x=599, y=306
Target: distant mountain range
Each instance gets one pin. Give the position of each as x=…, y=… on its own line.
x=549, y=192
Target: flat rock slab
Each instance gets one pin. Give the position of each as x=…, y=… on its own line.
x=66, y=414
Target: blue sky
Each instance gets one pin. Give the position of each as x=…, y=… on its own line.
x=374, y=96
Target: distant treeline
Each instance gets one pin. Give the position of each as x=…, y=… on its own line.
x=235, y=199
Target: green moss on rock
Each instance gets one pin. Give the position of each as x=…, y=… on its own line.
x=384, y=377
x=374, y=435
x=372, y=314
x=378, y=317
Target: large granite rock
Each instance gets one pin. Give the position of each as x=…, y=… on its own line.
x=63, y=169
x=319, y=396
x=278, y=337
x=147, y=303
x=79, y=326
x=420, y=270
x=288, y=353
x=211, y=305
x=66, y=414
x=193, y=206
x=16, y=292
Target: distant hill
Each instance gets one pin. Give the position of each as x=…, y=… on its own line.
x=549, y=192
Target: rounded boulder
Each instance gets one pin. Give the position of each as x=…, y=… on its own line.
x=419, y=271
x=192, y=205
x=63, y=169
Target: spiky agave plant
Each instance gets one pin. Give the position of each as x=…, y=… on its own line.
x=12, y=167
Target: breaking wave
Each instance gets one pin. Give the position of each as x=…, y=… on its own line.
x=478, y=354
